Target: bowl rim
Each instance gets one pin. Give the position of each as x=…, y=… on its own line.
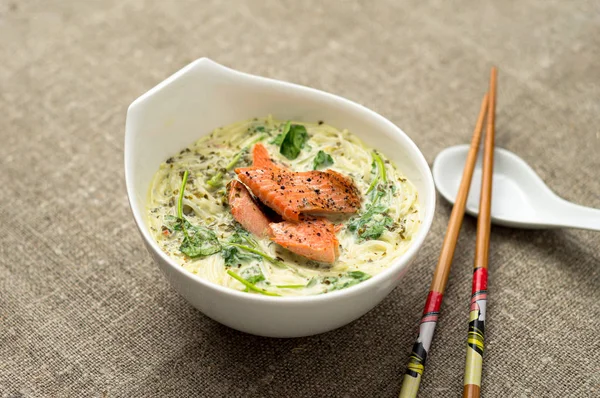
x=398, y=264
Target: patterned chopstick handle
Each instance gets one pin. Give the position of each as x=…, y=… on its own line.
x=418, y=357
x=475, y=346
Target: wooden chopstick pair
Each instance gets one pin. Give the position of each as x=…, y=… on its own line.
x=474, y=362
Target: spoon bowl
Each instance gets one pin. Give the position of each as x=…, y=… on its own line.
x=519, y=196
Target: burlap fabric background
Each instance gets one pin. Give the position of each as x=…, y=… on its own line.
x=85, y=313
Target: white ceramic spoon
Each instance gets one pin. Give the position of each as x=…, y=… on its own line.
x=519, y=196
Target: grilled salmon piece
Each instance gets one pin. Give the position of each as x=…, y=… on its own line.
x=312, y=237
x=246, y=211
x=261, y=157
x=291, y=193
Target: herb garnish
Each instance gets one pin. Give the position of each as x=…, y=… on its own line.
x=242, y=240
x=198, y=241
x=270, y=259
x=234, y=255
x=279, y=138
x=344, y=281
x=251, y=285
x=381, y=173
x=291, y=140
x=253, y=274
x=353, y=278
x=217, y=180
x=374, y=221
x=322, y=159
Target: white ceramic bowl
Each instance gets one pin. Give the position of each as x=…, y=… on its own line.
x=205, y=95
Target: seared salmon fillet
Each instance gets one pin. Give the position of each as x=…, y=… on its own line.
x=260, y=157
x=290, y=193
x=312, y=237
x=246, y=211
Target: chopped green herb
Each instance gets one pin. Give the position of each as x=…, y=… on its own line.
x=250, y=285
x=381, y=173
x=236, y=159
x=217, y=180
x=350, y=279
x=380, y=166
x=374, y=221
x=293, y=141
x=322, y=159
x=279, y=138
x=329, y=280
x=331, y=283
x=233, y=256
x=375, y=227
x=253, y=274
x=242, y=240
x=242, y=236
x=359, y=275
x=172, y=223
x=270, y=259
x=198, y=241
x=181, y=193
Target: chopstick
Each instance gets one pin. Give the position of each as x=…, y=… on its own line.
x=418, y=357
x=477, y=310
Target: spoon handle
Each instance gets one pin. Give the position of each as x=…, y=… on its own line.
x=577, y=216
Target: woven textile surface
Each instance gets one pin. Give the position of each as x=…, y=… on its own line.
x=84, y=311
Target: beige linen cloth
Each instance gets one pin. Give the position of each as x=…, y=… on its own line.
x=84, y=312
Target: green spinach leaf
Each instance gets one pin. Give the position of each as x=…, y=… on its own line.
x=374, y=221
x=172, y=223
x=361, y=276
x=293, y=141
x=198, y=241
x=375, y=227
x=242, y=237
x=253, y=274
x=270, y=259
x=235, y=256
x=350, y=279
x=331, y=283
x=249, y=285
x=279, y=138
x=322, y=159
x=242, y=240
